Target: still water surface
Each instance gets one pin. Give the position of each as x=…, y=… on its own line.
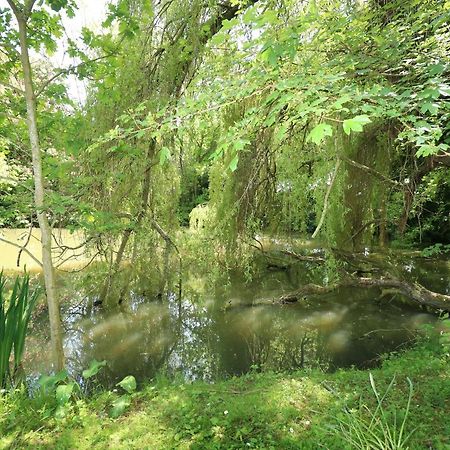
x=216, y=332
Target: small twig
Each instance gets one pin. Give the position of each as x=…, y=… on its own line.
x=24, y=245
x=22, y=248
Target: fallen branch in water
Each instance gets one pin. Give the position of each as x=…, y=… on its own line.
x=308, y=258
x=413, y=291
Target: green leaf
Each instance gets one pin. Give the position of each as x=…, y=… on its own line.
x=429, y=93
x=61, y=411
x=436, y=69
x=239, y=144
x=128, y=384
x=94, y=368
x=63, y=393
x=281, y=133
x=48, y=382
x=164, y=155
x=233, y=164
x=427, y=150
x=119, y=406
x=319, y=132
x=356, y=124
x=429, y=106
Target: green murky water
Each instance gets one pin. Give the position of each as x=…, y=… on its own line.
x=215, y=332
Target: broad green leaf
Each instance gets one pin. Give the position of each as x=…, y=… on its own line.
x=119, y=406
x=63, y=393
x=218, y=38
x=436, y=69
x=228, y=24
x=430, y=107
x=61, y=411
x=128, y=384
x=432, y=93
x=94, y=368
x=427, y=150
x=164, y=155
x=355, y=124
x=249, y=16
x=48, y=382
x=281, y=132
x=319, y=132
x=239, y=144
x=234, y=162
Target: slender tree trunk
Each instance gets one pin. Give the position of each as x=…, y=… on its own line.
x=39, y=196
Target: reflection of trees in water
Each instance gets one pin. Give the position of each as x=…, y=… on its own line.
x=134, y=341
x=215, y=337
x=281, y=353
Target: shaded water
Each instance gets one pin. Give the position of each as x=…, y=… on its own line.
x=217, y=332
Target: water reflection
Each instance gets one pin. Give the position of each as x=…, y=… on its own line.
x=212, y=333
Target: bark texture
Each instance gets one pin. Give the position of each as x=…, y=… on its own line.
x=39, y=195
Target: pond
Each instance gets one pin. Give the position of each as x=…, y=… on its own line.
x=215, y=331
x=67, y=249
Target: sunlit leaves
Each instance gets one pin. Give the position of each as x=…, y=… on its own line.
x=164, y=155
x=430, y=107
x=128, y=384
x=121, y=403
x=319, y=132
x=355, y=124
x=233, y=164
x=63, y=393
x=119, y=406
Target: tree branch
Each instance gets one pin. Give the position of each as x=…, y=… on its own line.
x=22, y=248
x=372, y=172
x=13, y=88
x=67, y=71
x=413, y=291
x=28, y=8
x=16, y=10
x=327, y=195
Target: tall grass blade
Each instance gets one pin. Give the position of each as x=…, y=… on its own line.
x=15, y=316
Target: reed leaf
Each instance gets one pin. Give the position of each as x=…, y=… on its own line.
x=15, y=314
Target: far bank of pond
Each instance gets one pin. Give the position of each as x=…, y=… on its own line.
x=21, y=248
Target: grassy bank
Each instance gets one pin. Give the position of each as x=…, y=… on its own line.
x=300, y=410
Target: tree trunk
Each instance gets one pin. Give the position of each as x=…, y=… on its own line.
x=39, y=197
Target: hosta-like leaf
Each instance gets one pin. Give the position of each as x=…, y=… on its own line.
x=94, y=368
x=128, y=384
x=63, y=393
x=119, y=406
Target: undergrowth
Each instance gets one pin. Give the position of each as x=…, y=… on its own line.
x=301, y=410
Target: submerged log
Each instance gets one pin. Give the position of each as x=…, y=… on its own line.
x=413, y=291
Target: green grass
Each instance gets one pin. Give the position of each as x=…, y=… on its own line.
x=303, y=410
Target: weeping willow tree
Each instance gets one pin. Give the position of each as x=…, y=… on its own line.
x=325, y=119
x=312, y=117
x=133, y=177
